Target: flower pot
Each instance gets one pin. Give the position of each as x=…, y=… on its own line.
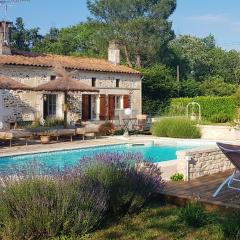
x=45, y=139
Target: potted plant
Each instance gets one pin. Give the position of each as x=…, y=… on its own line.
x=45, y=137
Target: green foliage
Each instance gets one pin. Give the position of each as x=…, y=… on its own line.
x=79, y=40
x=119, y=132
x=193, y=215
x=177, y=177
x=141, y=26
x=220, y=118
x=212, y=108
x=53, y=122
x=176, y=128
x=22, y=38
x=231, y=226
x=159, y=86
x=215, y=86
x=41, y=209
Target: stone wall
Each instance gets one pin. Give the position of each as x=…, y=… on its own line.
x=201, y=162
x=28, y=105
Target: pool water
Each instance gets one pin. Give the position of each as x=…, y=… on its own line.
x=71, y=157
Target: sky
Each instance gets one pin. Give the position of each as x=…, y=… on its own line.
x=192, y=17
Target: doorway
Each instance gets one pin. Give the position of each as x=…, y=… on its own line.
x=86, y=107
x=49, y=105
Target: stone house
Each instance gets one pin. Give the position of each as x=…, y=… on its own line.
x=119, y=86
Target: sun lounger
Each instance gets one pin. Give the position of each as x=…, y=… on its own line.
x=88, y=129
x=65, y=132
x=232, y=152
x=15, y=135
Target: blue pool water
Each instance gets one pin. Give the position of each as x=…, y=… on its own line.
x=72, y=157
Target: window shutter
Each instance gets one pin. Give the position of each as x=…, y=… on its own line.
x=103, y=107
x=126, y=101
x=111, y=107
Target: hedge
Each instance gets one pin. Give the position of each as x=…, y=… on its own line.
x=214, y=109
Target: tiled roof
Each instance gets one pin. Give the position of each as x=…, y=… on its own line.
x=71, y=62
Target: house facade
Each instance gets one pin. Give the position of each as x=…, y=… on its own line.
x=120, y=87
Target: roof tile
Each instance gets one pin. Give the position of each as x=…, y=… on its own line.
x=71, y=62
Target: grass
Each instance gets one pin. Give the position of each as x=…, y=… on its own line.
x=157, y=222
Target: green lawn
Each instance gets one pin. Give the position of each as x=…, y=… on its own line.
x=156, y=222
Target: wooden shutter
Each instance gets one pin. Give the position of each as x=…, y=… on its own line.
x=126, y=101
x=103, y=107
x=85, y=107
x=111, y=107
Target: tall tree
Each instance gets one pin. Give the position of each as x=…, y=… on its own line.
x=141, y=26
x=22, y=38
x=81, y=39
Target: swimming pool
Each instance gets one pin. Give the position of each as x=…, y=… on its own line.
x=60, y=159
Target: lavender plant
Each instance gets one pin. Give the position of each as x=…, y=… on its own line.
x=37, y=202
x=40, y=206
x=129, y=179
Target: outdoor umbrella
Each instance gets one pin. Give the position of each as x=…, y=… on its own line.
x=65, y=83
x=7, y=83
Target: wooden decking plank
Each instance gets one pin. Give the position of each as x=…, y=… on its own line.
x=203, y=189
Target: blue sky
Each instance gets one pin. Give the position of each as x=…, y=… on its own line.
x=194, y=17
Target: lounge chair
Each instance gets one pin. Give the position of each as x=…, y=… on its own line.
x=15, y=135
x=57, y=133
x=232, y=152
x=88, y=129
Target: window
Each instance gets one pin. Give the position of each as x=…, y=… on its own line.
x=117, y=83
x=49, y=105
x=94, y=82
x=52, y=77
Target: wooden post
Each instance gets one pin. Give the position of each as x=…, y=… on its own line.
x=65, y=110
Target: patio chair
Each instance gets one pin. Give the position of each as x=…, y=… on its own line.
x=232, y=152
x=143, y=124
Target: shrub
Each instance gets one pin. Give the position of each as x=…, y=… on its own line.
x=177, y=177
x=39, y=207
x=220, y=118
x=53, y=122
x=210, y=106
x=130, y=181
x=119, y=132
x=41, y=203
x=176, y=128
x=231, y=226
x=193, y=215
x=106, y=129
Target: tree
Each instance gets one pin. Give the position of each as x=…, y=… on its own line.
x=83, y=39
x=193, y=55
x=159, y=85
x=141, y=26
x=215, y=86
x=22, y=38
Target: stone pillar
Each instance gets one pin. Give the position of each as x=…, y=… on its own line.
x=97, y=107
x=122, y=102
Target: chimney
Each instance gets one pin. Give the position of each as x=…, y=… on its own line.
x=114, y=52
x=5, y=38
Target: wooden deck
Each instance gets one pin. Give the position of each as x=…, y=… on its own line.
x=202, y=190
